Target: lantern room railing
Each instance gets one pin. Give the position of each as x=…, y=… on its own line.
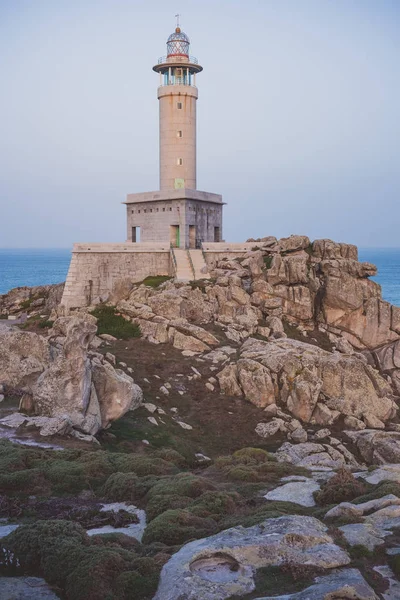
x=164, y=59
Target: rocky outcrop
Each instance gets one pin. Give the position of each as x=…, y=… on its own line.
x=376, y=447
x=346, y=584
x=224, y=565
x=62, y=380
x=312, y=384
x=332, y=455
x=312, y=285
x=32, y=299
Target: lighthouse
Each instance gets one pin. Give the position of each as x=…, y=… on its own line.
x=178, y=212
x=177, y=95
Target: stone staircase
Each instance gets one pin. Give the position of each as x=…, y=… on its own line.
x=199, y=264
x=189, y=265
x=184, y=271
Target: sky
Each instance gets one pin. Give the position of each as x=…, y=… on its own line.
x=298, y=116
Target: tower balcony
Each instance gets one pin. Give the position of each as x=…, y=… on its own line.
x=177, y=58
x=165, y=63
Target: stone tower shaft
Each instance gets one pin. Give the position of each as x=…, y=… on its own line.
x=177, y=95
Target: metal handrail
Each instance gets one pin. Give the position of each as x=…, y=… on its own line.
x=192, y=59
x=191, y=265
x=204, y=256
x=175, y=264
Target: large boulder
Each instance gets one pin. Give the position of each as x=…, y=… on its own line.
x=65, y=386
x=116, y=392
x=387, y=358
x=61, y=381
x=376, y=447
x=23, y=357
x=224, y=564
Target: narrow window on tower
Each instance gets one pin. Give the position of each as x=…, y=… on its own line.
x=179, y=105
x=179, y=161
x=179, y=134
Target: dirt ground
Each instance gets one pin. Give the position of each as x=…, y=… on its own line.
x=220, y=424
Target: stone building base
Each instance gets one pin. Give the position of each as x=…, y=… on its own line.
x=105, y=272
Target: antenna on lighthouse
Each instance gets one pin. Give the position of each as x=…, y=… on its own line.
x=177, y=20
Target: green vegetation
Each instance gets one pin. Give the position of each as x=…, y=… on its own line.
x=178, y=526
x=45, y=324
x=253, y=465
x=85, y=568
x=111, y=322
x=382, y=489
x=268, y=262
x=155, y=281
x=342, y=487
x=180, y=505
x=28, y=302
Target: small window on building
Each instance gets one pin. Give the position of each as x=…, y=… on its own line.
x=139, y=212
x=163, y=209
x=179, y=133
x=170, y=209
x=179, y=105
x=145, y=210
x=151, y=210
x=179, y=161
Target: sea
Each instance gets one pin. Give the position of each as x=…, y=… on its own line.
x=29, y=267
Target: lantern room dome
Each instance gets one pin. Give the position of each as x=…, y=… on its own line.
x=178, y=43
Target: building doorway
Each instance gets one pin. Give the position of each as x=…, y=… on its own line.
x=135, y=234
x=192, y=236
x=174, y=236
x=217, y=234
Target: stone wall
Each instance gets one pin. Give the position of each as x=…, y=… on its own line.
x=106, y=270
x=103, y=270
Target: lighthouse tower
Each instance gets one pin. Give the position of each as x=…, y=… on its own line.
x=178, y=213
x=177, y=96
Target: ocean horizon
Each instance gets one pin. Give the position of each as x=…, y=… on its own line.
x=43, y=266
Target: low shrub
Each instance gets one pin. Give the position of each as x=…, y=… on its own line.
x=45, y=324
x=215, y=504
x=184, y=484
x=122, y=487
x=268, y=262
x=29, y=481
x=142, y=465
x=133, y=584
x=156, y=280
x=171, y=455
x=95, y=577
x=160, y=503
x=252, y=456
x=65, y=476
x=174, y=527
x=53, y=548
x=382, y=489
x=111, y=322
x=342, y=487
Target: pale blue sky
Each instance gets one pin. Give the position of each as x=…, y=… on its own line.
x=298, y=115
